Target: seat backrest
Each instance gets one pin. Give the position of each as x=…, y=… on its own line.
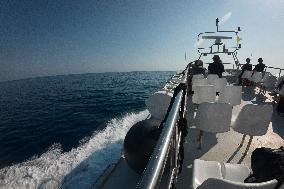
x=279, y=80
x=253, y=119
x=236, y=72
x=266, y=75
x=214, y=117
x=231, y=95
x=216, y=183
x=281, y=91
x=211, y=78
x=158, y=103
x=220, y=84
x=269, y=81
x=203, y=170
x=247, y=74
x=256, y=77
x=235, y=172
x=198, y=76
x=203, y=93
x=197, y=82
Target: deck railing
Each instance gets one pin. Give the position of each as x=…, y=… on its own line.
x=163, y=166
x=271, y=67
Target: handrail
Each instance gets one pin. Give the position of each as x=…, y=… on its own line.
x=155, y=167
x=265, y=66
x=268, y=67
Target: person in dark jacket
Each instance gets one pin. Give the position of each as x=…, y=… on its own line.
x=246, y=67
x=260, y=66
x=197, y=68
x=216, y=67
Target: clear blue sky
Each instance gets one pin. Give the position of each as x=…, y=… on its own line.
x=46, y=37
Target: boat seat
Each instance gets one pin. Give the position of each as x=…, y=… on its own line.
x=214, y=118
x=231, y=95
x=247, y=75
x=203, y=93
x=198, y=76
x=266, y=74
x=220, y=84
x=215, y=175
x=279, y=80
x=256, y=77
x=213, y=183
x=253, y=120
x=236, y=73
x=158, y=103
x=211, y=78
x=280, y=92
x=257, y=126
x=197, y=82
x=268, y=81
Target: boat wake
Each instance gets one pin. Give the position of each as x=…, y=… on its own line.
x=78, y=168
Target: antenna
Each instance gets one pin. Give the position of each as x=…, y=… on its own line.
x=217, y=24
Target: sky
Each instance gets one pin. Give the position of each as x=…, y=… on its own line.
x=43, y=37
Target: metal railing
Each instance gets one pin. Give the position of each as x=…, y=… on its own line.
x=267, y=67
x=163, y=166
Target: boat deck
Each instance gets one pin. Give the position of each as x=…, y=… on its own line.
x=222, y=147
x=225, y=147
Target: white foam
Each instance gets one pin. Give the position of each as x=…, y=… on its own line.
x=78, y=168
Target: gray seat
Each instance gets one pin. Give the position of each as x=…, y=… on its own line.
x=213, y=183
x=198, y=82
x=203, y=93
x=215, y=175
x=256, y=77
x=247, y=75
x=220, y=84
x=281, y=91
x=198, y=76
x=231, y=95
x=257, y=126
x=211, y=78
x=213, y=117
x=253, y=120
x=268, y=82
x=158, y=103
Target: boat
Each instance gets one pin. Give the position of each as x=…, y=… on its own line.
x=202, y=140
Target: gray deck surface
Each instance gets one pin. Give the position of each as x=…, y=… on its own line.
x=224, y=147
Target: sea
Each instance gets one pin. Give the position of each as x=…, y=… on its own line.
x=64, y=131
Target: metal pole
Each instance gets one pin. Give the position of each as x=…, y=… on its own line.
x=154, y=169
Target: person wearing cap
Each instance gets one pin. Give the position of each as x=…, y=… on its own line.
x=197, y=68
x=246, y=67
x=260, y=66
x=216, y=67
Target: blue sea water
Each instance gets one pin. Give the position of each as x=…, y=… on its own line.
x=65, y=130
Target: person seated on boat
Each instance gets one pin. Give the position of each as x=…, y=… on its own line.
x=246, y=67
x=216, y=67
x=260, y=66
x=197, y=68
